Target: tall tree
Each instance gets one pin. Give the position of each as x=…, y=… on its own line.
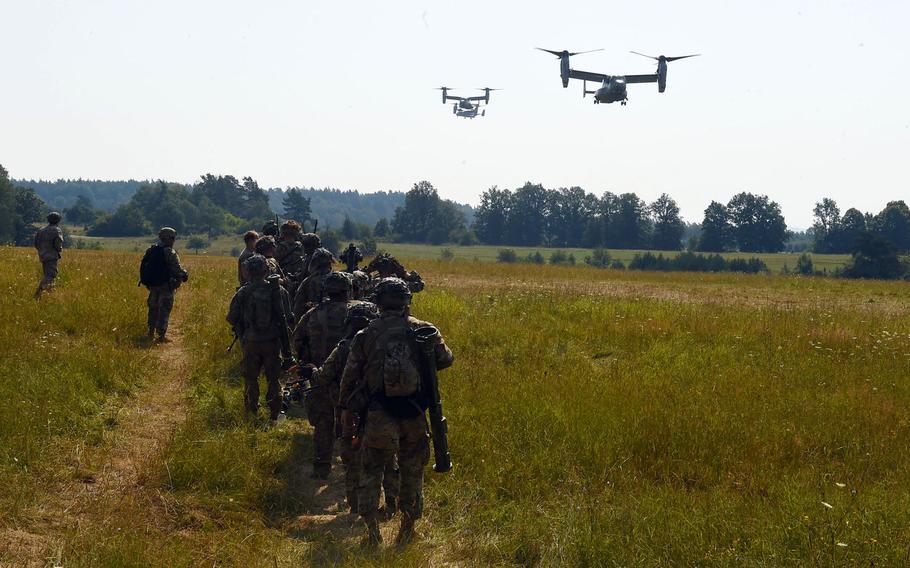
x=382, y=228
x=296, y=206
x=852, y=225
x=7, y=208
x=716, y=232
x=631, y=227
x=492, y=216
x=668, y=227
x=82, y=212
x=758, y=225
x=826, y=226
x=528, y=216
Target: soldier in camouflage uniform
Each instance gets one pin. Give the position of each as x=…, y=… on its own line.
x=387, y=266
x=255, y=320
x=161, y=297
x=266, y=247
x=381, y=380
x=270, y=228
x=358, y=317
x=350, y=257
x=249, y=239
x=290, y=253
x=49, y=244
x=310, y=292
x=310, y=242
x=316, y=335
x=362, y=285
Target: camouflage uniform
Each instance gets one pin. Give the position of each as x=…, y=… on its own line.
x=261, y=347
x=161, y=298
x=290, y=256
x=389, y=267
x=350, y=257
x=49, y=243
x=310, y=292
x=316, y=335
x=330, y=378
x=389, y=428
x=242, y=277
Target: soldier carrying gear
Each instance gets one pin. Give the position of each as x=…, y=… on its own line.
x=310, y=293
x=350, y=257
x=310, y=242
x=161, y=272
x=255, y=319
x=383, y=381
x=249, y=240
x=290, y=254
x=266, y=247
x=49, y=244
x=316, y=335
x=361, y=283
x=271, y=227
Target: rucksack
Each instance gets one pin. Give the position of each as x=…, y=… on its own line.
x=153, y=270
x=400, y=375
x=326, y=328
x=259, y=312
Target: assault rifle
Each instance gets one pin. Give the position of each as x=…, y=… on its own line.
x=296, y=390
x=425, y=337
x=284, y=335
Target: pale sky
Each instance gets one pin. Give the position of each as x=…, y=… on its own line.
x=796, y=100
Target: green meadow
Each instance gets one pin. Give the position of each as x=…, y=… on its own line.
x=597, y=418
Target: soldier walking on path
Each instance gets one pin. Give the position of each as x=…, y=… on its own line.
x=382, y=381
x=255, y=319
x=49, y=243
x=316, y=335
x=162, y=273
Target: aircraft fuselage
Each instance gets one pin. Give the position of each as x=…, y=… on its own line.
x=612, y=91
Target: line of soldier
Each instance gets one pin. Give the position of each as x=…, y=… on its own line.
x=357, y=358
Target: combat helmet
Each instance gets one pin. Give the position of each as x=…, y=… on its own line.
x=167, y=233
x=53, y=217
x=270, y=228
x=362, y=313
x=321, y=258
x=310, y=241
x=337, y=283
x=256, y=264
x=360, y=282
x=392, y=293
x=264, y=243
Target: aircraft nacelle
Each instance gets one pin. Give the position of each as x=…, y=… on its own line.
x=444, y=93
x=564, y=68
x=661, y=74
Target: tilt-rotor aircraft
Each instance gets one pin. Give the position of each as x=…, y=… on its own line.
x=612, y=87
x=467, y=107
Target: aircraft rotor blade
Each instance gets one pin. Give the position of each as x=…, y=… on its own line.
x=648, y=56
x=580, y=52
x=682, y=57
x=556, y=53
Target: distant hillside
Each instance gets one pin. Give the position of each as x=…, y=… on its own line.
x=331, y=206
x=62, y=194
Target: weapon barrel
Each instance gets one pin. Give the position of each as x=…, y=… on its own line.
x=426, y=340
x=284, y=334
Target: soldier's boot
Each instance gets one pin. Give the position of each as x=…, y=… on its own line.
x=352, y=500
x=406, y=532
x=38, y=291
x=391, y=507
x=374, y=537
x=162, y=338
x=151, y=334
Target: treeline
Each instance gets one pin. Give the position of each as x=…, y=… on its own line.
x=63, y=193
x=570, y=217
x=836, y=233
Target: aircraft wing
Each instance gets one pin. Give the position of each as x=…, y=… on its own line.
x=641, y=78
x=588, y=76
x=451, y=98
x=476, y=98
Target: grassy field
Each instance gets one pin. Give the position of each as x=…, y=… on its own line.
x=225, y=245
x=596, y=418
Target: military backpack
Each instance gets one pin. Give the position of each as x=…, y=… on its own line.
x=153, y=270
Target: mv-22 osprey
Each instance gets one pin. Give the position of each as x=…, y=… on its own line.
x=467, y=107
x=612, y=87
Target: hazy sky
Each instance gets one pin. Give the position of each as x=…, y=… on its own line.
x=796, y=100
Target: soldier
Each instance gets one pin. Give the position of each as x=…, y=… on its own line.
x=310, y=242
x=270, y=229
x=290, y=251
x=388, y=266
x=358, y=317
x=310, y=292
x=255, y=318
x=362, y=285
x=350, y=257
x=249, y=240
x=266, y=247
x=316, y=335
x=382, y=381
x=49, y=244
x=162, y=273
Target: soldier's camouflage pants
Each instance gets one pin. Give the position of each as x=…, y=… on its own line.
x=353, y=469
x=49, y=267
x=320, y=411
x=383, y=438
x=262, y=356
x=160, y=302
